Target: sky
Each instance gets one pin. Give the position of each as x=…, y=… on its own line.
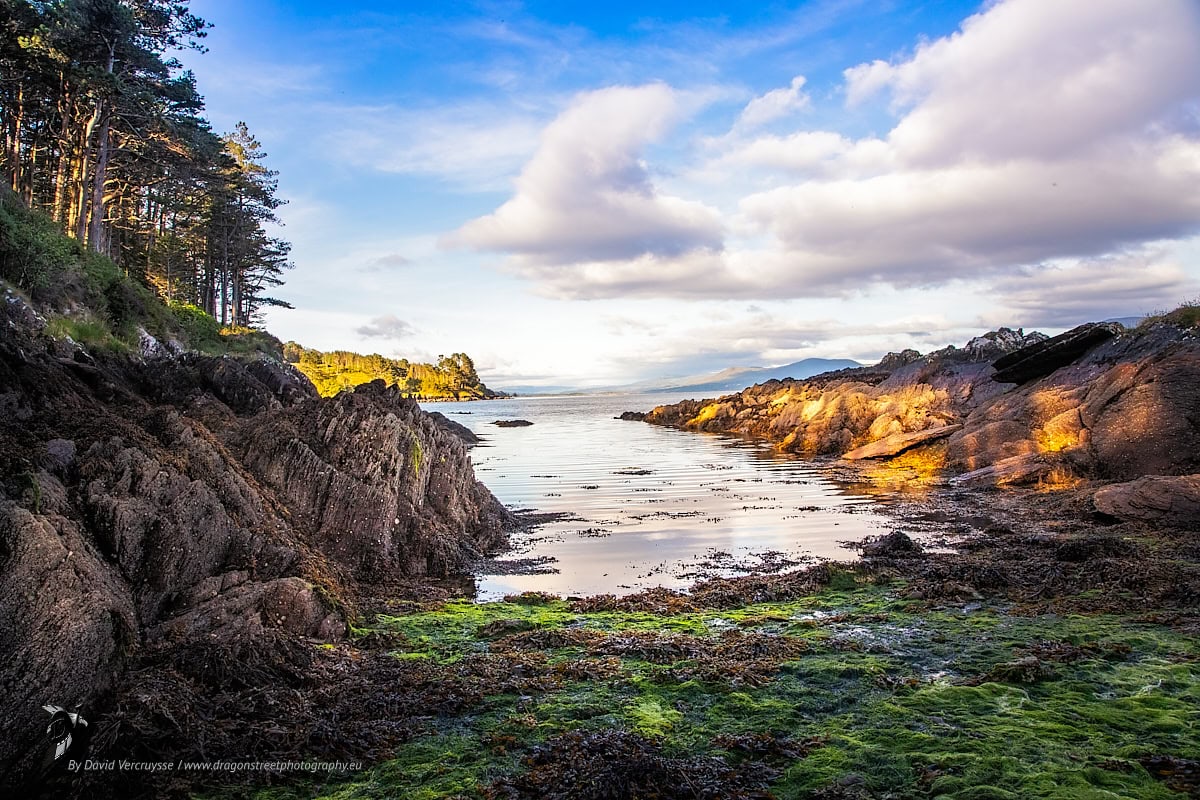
x=587, y=194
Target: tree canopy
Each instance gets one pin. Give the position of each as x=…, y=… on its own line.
x=103, y=131
x=453, y=376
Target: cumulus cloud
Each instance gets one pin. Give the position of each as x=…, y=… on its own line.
x=774, y=105
x=1029, y=79
x=587, y=199
x=1037, y=132
x=388, y=326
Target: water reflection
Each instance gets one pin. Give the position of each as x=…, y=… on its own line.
x=649, y=506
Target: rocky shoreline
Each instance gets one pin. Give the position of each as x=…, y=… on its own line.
x=243, y=570
x=1095, y=406
x=167, y=515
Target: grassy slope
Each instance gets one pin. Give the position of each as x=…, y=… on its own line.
x=93, y=301
x=856, y=688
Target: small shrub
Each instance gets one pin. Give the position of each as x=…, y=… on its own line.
x=198, y=326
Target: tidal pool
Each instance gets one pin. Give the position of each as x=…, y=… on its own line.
x=646, y=505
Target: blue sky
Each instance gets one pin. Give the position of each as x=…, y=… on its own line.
x=591, y=194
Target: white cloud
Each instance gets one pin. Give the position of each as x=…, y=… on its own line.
x=774, y=105
x=1144, y=281
x=388, y=326
x=1037, y=132
x=926, y=226
x=1030, y=79
x=586, y=199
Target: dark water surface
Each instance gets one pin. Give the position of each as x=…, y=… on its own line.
x=649, y=506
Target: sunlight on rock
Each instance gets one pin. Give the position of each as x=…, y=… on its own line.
x=917, y=470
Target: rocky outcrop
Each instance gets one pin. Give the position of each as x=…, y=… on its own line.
x=1041, y=358
x=383, y=487
x=1170, y=500
x=1095, y=403
x=464, y=433
x=838, y=412
x=150, y=503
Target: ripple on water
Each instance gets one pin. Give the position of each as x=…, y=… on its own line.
x=650, y=506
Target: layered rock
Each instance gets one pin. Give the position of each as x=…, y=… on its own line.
x=384, y=487
x=1096, y=402
x=149, y=503
x=838, y=412
x=1173, y=500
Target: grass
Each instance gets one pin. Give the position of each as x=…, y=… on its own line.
x=903, y=700
x=1186, y=315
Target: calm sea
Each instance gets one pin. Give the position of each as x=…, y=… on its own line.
x=649, y=506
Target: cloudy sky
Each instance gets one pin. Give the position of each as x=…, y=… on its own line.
x=590, y=194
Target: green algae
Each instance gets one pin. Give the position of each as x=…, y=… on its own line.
x=900, y=699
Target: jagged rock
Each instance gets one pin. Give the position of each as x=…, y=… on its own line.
x=129, y=525
x=1125, y=408
x=1001, y=342
x=384, y=488
x=245, y=386
x=457, y=428
x=899, y=442
x=1171, y=500
x=893, y=361
x=1041, y=358
x=632, y=416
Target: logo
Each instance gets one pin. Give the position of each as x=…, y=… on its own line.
x=66, y=729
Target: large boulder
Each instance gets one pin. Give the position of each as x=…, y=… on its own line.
x=1163, y=499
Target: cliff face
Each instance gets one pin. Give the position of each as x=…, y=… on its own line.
x=149, y=503
x=1100, y=402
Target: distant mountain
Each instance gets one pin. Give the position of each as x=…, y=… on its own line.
x=526, y=390
x=1128, y=322
x=738, y=378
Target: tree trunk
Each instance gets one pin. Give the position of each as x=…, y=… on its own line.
x=64, y=156
x=96, y=232
x=79, y=216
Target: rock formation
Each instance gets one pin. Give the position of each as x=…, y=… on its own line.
x=1098, y=402
x=148, y=503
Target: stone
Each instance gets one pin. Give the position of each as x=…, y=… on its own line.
x=1162, y=499
x=899, y=442
x=1015, y=470
x=896, y=544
